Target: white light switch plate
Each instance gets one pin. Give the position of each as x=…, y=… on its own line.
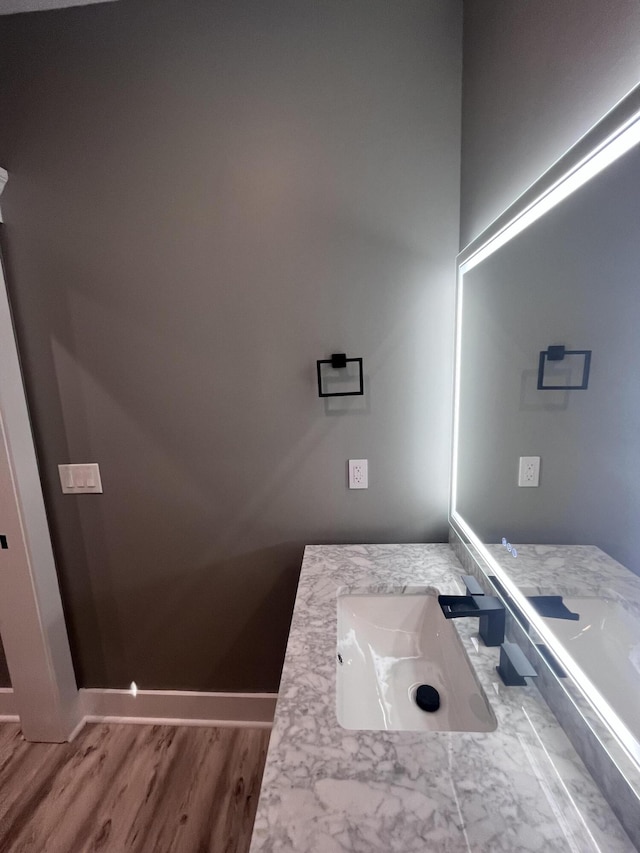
x=80, y=479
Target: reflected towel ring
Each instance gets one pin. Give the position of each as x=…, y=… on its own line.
x=555, y=353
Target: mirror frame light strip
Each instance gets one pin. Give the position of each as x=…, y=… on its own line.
x=612, y=137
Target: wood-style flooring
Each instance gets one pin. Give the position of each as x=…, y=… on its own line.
x=131, y=789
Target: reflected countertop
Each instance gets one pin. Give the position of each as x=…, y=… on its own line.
x=582, y=570
x=327, y=789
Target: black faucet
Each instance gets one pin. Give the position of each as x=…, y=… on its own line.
x=487, y=608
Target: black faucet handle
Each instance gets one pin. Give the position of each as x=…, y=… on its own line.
x=514, y=667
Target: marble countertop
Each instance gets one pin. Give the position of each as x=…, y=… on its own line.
x=327, y=789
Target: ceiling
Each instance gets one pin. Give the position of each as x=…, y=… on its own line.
x=10, y=7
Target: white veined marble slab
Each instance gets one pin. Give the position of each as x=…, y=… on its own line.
x=519, y=789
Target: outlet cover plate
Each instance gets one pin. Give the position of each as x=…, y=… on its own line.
x=529, y=472
x=358, y=474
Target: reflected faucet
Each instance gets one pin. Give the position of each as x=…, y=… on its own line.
x=552, y=607
x=487, y=608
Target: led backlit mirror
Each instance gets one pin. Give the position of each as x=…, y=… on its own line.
x=548, y=367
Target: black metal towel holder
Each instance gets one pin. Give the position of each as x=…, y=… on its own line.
x=339, y=361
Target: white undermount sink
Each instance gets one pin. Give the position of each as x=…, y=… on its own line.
x=390, y=644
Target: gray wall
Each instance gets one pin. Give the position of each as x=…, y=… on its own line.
x=537, y=76
x=204, y=198
x=572, y=279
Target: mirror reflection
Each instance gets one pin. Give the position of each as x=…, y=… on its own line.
x=548, y=440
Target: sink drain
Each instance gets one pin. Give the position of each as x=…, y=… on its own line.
x=427, y=698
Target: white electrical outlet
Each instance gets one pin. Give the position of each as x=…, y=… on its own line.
x=80, y=479
x=529, y=471
x=358, y=474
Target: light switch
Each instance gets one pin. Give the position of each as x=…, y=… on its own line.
x=81, y=479
x=66, y=476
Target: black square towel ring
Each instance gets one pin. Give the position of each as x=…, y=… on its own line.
x=557, y=353
x=339, y=361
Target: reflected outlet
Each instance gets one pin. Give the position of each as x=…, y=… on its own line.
x=529, y=472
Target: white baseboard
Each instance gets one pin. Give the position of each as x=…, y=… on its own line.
x=8, y=707
x=178, y=707
x=163, y=707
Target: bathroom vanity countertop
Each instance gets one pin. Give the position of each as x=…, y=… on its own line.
x=327, y=789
